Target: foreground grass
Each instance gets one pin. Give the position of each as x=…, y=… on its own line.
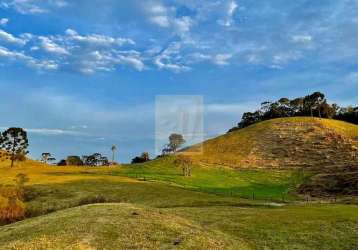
x=128, y=226
x=170, y=208
x=112, y=226
x=289, y=227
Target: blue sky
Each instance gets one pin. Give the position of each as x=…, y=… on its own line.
x=83, y=75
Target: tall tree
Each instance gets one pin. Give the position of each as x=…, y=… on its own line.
x=14, y=141
x=176, y=141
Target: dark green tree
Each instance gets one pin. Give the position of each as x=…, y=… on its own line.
x=176, y=141
x=74, y=160
x=144, y=157
x=15, y=143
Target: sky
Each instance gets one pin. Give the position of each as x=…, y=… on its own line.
x=81, y=75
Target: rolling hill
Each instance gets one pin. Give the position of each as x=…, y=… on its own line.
x=241, y=195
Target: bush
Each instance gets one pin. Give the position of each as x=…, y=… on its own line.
x=12, y=207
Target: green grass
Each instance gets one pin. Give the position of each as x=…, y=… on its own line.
x=167, y=212
x=112, y=226
x=260, y=184
x=290, y=227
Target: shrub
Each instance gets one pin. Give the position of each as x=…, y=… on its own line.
x=12, y=207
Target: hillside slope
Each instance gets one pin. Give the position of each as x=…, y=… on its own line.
x=284, y=143
x=112, y=226
x=328, y=148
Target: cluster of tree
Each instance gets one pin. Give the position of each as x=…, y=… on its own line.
x=14, y=144
x=94, y=160
x=314, y=105
x=144, y=157
x=175, y=142
x=47, y=158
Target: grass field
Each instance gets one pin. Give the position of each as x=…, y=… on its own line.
x=261, y=184
x=152, y=206
x=170, y=209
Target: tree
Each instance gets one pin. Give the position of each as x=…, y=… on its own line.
x=145, y=156
x=113, y=149
x=185, y=163
x=312, y=103
x=74, y=160
x=141, y=159
x=51, y=159
x=45, y=157
x=14, y=141
x=62, y=163
x=176, y=141
x=95, y=159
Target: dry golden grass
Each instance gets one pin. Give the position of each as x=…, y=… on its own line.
x=280, y=143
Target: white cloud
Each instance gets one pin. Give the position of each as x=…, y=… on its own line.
x=183, y=24
x=28, y=60
x=32, y=6
x=51, y=47
x=285, y=57
x=3, y=21
x=170, y=59
x=9, y=38
x=230, y=11
x=222, y=59
x=166, y=18
x=162, y=21
x=96, y=39
x=49, y=132
x=302, y=38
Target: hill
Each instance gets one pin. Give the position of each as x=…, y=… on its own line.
x=325, y=147
x=111, y=226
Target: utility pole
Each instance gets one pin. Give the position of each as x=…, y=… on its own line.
x=113, y=148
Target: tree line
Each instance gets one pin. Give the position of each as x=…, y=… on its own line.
x=313, y=105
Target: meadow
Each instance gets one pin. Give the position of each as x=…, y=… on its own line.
x=152, y=205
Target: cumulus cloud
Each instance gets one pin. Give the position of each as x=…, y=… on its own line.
x=9, y=38
x=166, y=17
x=51, y=47
x=27, y=60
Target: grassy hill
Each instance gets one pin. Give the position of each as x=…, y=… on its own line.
x=326, y=148
x=112, y=226
x=284, y=143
